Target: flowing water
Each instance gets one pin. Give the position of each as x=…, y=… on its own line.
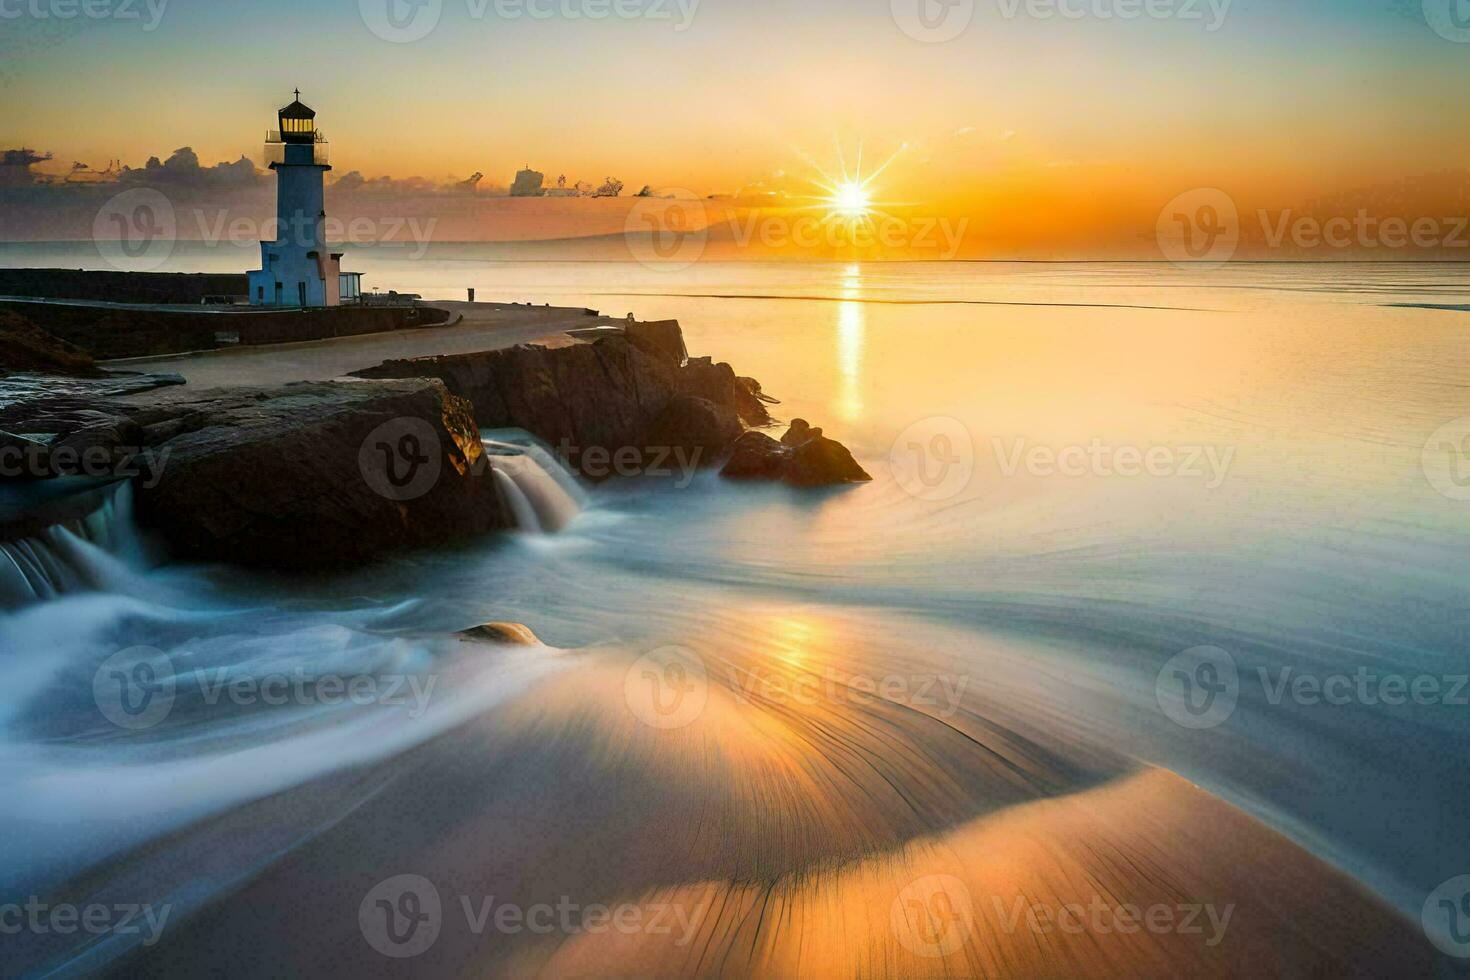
x=1094, y=486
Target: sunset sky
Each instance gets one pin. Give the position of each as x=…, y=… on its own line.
x=1285, y=99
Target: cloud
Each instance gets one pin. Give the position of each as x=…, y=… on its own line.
x=183, y=170
x=354, y=183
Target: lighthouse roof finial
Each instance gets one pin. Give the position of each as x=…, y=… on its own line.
x=296, y=110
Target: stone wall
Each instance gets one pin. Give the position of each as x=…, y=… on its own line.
x=120, y=287
x=117, y=331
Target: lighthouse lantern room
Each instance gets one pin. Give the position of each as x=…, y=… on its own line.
x=299, y=269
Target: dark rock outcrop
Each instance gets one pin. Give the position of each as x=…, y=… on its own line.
x=633, y=390
x=754, y=387
x=718, y=383
x=608, y=395
x=803, y=457
x=316, y=475
x=302, y=476
x=26, y=348
x=757, y=456
x=695, y=425
x=117, y=438
x=799, y=432
x=661, y=337
x=81, y=429
x=822, y=462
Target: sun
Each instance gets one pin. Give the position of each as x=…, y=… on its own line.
x=852, y=199
x=848, y=198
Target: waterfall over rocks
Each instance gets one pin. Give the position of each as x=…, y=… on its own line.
x=93, y=552
x=542, y=494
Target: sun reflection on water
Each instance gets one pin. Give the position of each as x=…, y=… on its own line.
x=851, y=341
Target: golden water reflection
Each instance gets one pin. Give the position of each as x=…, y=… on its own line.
x=851, y=342
x=820, y=814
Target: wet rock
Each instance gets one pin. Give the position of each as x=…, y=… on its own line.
x=756, y=456
x=804, y=457
x=505, y=634
x=754, y=387
x=718, y=382
x=801, y=431
x=98, y=449
x=695, y=425
x=22, y=458
x=605, y=396
x=663, y=338
x=317, y=475
x=821, y=461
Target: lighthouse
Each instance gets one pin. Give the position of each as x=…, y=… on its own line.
x=299, y=269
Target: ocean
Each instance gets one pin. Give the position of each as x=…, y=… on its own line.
x=1125, y=517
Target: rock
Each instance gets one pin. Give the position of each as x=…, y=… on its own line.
x=754, y=387
x=505, y=634
x=87, y=429
x=132, y=383
x=695, y=425
x=756, y=456
x=663, y=338
x=605, y=396
x=163, y=431
x=318, y=475
x=27, y=349
x=98, y=449
x=717, y=382
x=800, y=432
x=821, y=461
x=804, y=457
x=62, y=416
x=23, y=459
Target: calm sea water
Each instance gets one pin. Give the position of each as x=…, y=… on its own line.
x=1083, y=474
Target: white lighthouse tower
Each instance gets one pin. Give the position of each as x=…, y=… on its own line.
x=299, y=269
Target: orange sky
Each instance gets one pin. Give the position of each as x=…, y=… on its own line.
x=1025, y=124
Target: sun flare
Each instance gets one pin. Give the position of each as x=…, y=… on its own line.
x=849, y=196
x=852, y=199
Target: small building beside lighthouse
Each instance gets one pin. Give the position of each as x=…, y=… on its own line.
x=299, y=269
